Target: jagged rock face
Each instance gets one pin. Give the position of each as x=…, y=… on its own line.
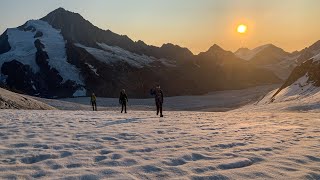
x=19, y=77
x=46, y=83
x=49, y=82
x=4, y=44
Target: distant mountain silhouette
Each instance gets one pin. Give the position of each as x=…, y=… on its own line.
x=263, y=55
x=270, y=57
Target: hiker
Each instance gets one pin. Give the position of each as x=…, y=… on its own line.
x=94, y=102
x=123, y=99
x=158, y=94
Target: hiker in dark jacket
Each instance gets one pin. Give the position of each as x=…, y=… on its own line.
x=123, y=99
x=94, y=102
x=159, y=99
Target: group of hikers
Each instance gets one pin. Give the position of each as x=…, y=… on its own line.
x=123, y=100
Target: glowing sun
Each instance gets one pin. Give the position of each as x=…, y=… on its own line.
x=242, y=29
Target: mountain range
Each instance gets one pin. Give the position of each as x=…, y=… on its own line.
x=64, y=55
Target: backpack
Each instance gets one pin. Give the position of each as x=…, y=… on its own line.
x=152, y=92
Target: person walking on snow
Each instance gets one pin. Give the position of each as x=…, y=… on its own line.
x=159, y=99
x=94, y=102
x=123, y=99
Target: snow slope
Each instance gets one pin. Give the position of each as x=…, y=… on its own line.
x=289, y=100
x=11, y=100
x=138, y=145
x=24, y=50
x=111, y=55
x=302, y=95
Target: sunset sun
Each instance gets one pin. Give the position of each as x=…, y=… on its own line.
x=242, y=29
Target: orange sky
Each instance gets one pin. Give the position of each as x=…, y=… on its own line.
x=196, y=24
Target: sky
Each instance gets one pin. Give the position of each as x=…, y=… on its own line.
x=195, y=24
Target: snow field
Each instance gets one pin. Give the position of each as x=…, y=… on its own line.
x=139, y=145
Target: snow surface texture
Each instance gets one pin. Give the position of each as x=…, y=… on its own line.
x=23, y=49
x=10, y=100
x=138, y=145
x=112, y=55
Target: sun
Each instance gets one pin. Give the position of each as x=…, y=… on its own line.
x=242, y=29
